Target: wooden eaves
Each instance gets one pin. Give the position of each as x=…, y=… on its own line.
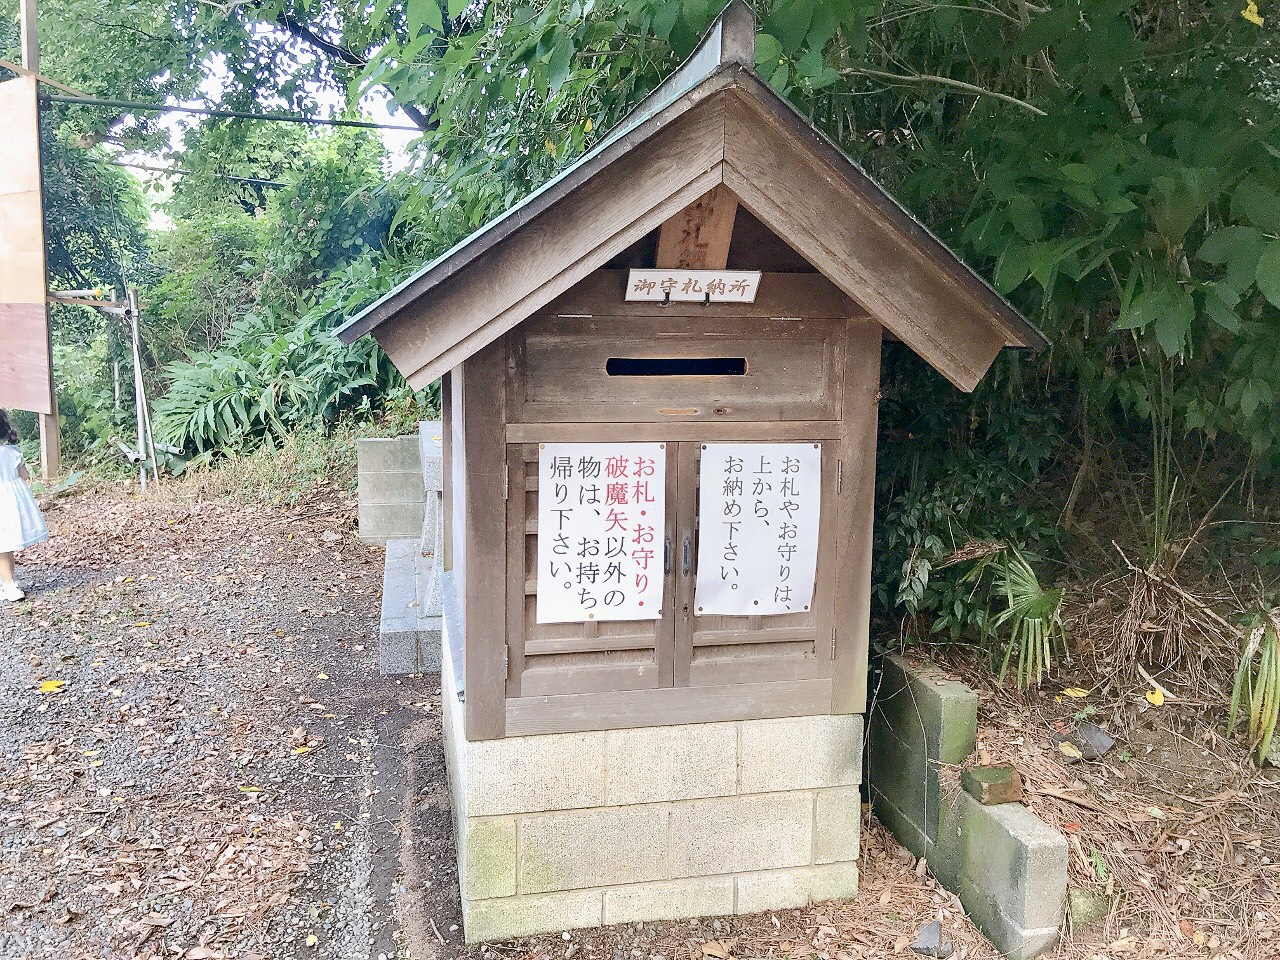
x=714, y=122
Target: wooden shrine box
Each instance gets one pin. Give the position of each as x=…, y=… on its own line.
x=685, y=730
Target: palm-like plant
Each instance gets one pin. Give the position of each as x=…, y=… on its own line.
x=1256, y=691
x=1028, y=628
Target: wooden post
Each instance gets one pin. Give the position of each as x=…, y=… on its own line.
x=30, y=39
x=698, y=237
x=50, y=440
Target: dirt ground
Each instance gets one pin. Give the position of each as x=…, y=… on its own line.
x=198, y=759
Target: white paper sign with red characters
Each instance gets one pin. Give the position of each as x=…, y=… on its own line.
x=758, y=509
x=601, y=522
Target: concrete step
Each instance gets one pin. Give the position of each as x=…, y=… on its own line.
x=409, y=637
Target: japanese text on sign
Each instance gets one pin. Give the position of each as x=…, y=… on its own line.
x=601, y=523
x=758, y=508
x=697, y=286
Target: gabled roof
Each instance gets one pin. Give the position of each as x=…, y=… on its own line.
x=713, y=122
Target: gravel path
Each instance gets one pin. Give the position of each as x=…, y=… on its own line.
x=199, y=760
x=197, y=755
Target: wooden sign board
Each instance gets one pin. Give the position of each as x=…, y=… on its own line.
x=693, y=286
x=25, y=375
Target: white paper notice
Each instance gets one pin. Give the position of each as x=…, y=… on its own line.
x=758, y=508
x=601, y=517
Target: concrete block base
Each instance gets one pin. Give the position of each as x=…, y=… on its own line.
x=558, y=831
x=390, y=490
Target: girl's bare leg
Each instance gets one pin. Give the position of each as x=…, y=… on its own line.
x=6, y=568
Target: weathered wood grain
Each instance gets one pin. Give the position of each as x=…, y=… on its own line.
x=483, y=415
x=25, y=369
x=647, y=708
x=852, y=532
x=591, y=224
x=697, y=238
x=795, y=193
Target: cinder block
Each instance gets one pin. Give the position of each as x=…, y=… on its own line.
x=654, y=764
x=672, y=900
x=380, y=522
x=737, y=834
x=383, y=454
x=800, y=753
x=1009, y=869
x=511, y=917
x=487, y=858
x=783, y=889
x=562, y=771
x=919, y=719
x=402, y=486
x=592, y=848
x=837, y=824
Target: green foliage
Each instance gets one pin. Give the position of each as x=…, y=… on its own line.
x=87, y=410
x=1110, y=164
x=275, y=373
x=518, y=91
x=211, y=265
x=266, y=380
x=249, y=150
x=95, y=217
x=329, y=215
x=1255, y=696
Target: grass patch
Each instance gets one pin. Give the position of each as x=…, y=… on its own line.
x=309, y=463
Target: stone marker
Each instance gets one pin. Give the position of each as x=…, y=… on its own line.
x=992, y=785
x=929, y=942
x=1089, y=739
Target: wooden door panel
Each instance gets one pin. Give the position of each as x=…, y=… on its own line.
x=548, y=659
x=713, y=650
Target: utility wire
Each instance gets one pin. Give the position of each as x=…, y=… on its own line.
x=179, y=172
x=237, y=114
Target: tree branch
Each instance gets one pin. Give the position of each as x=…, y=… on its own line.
x=946, y=82
x=300, y=30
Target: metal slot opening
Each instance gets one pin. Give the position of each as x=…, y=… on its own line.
x=676, y=366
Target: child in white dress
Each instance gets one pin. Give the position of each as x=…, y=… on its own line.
x=21, y=524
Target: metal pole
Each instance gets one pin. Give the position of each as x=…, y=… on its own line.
x=138, y=394
x=233, y=114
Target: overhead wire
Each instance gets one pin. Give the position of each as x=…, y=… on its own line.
x=230, y=114
x=179, y=172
